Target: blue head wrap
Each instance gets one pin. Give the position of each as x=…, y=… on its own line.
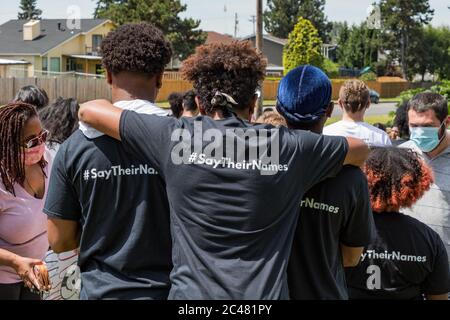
x=304, y=95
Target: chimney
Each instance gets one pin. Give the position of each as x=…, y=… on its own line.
x=31, y=30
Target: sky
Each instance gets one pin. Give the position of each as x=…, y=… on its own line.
x=219, y=15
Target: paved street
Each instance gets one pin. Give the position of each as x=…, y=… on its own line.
x=374, y=110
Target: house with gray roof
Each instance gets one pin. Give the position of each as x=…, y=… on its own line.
x=55, y=45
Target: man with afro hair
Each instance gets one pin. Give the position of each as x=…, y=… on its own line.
x=109, y=203
x=233, y=214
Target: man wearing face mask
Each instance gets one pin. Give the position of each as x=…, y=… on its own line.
x=428, y=122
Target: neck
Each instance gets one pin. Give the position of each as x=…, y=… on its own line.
x=30, y=169
x=354, y=117
x=131, y=88
x=188, y=114
x=314, y=128
x=241, y=114
x=443, y=146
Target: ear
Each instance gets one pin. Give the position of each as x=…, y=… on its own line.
x=341, y=104
x=159, y=80
x=109, y=77
x=330, y=110
x=252, y=107
x=199, y=105
x=447, y=122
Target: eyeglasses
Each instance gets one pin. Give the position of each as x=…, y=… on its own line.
x=42, y=138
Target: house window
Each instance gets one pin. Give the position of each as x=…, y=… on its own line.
x=99, y=69
x=44, y=64
x=71, y=64
x=55, y=64
x=96, y=42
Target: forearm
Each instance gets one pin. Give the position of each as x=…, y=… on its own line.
x=63, y=235
x=7, y=258
x=351, y=255
x=103, y=116
x=59, y=246
x=358, y=152
x=437, y=297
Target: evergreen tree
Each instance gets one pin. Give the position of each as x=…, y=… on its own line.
x=29, y=10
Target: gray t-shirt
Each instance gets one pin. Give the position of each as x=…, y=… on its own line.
x=334, y=212
x=232, y=223
x=121, y=205
x=434, y=208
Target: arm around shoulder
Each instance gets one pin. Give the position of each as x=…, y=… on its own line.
x=103, y=116
x=358, y=152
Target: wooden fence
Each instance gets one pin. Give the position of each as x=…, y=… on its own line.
x=88, y=89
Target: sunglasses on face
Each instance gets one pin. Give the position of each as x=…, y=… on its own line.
x=37, y=141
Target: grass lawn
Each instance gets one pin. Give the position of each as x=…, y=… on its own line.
x=370, y=119
x=390, y=100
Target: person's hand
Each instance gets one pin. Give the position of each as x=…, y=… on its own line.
x=24, y=267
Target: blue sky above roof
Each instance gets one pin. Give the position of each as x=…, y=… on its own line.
x=215, y=17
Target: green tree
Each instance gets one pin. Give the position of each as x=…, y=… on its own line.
x=431, y=54
x=303, y=47
x=402, y=21
x=357, y=46
x=29, y=10
x=165, y=14
x=282, y=15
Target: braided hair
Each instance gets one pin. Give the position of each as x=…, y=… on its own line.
x=13, y=118
x=397, y=178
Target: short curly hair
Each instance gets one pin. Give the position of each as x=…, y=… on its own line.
x=273, y=118
x=235, y=69
x=397, y=178
x=354, y=95
x=139, y=47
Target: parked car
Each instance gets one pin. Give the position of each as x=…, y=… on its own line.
x=374, y=97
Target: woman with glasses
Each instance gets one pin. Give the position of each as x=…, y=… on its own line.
x=24, y=170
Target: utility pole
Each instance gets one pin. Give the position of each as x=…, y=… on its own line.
x=236, y=24
x=253, y=20
x=259, y=47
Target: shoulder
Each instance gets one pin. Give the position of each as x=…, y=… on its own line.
x=330, y=129
x=410, y=145
x=374, y=130
x=146, y=118
x=350, y=180
x=418, y=227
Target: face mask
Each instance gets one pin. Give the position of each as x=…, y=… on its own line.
x=34, y=155
x=426, y=138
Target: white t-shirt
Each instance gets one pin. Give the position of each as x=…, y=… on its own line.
x=361, y=130
x=139, y=106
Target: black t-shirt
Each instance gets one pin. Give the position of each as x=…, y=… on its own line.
x=121, y=205
x=232, y=221
x=408, y=259
x=336, y=211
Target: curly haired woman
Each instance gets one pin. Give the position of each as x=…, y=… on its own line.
x=408, y=260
